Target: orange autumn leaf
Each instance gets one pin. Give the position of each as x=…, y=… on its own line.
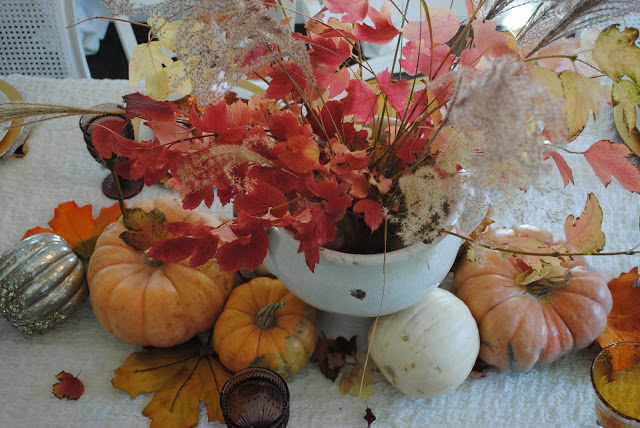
x=585, y=232
x=69, y=386
x=77, y=226
x=623, y=323
x=180, y=376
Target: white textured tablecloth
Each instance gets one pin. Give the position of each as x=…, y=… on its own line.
x=58, y=168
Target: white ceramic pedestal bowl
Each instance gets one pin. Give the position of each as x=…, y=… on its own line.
x=361, y=284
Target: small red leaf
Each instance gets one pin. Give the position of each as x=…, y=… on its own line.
x=563, y=167
x=372, y=210
x=247, y=253
x=384, y=30
x=69, y=386
x=369, y=417
x=609, y=159
x=356, y=10
x=361, y=101
x=139, y=105
x=396, y=92
x=265, y=198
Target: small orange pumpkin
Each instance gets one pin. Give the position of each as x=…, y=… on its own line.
x=524, y=325
x=264, y=325
x=148, y=303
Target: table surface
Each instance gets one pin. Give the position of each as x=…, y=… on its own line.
x=58, y=168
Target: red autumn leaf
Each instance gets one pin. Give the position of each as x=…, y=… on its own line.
x=356, y=10
x=396, y=92
x=195, y=241
x=77, y=226
x=360, y=101
x=610, y=159
x=623, y=323
x=384, y=30
x=336, y=82
x=192, y=200
x=299, y=154
x=168, y=133
x=248, y=251
x=107, y=139
x=372, y=210
x=563, y=167
x=330, y=190
x=421, y=59
x=328, y=52
x=138, y=105
x=284, y=125
x=444, y=26
x=213, y=119
x=314, y=234
x=266, y=198
x=283, y=78
x=69, y=386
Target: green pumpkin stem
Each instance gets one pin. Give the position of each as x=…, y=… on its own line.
x=266, y=318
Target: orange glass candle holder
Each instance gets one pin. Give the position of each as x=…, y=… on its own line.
x=615, y=377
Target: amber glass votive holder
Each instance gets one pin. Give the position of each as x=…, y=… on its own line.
x=255, y=397
x=87, y=124
x=615, y=377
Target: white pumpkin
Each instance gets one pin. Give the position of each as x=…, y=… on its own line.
x=427, y=349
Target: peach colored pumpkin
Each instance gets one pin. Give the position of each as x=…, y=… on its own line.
x=525, y=325
x=264, y=325
x=146, y=302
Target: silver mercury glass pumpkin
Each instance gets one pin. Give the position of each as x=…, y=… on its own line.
x=42, y=282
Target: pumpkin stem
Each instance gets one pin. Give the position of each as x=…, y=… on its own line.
x=542, y=287
x=265, y=318
x=150, y=260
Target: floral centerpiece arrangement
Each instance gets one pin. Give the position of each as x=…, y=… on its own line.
x=462, y=112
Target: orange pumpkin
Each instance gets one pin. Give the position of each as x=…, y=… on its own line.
x=524, y=325
x=264, y=325
x=148, y=303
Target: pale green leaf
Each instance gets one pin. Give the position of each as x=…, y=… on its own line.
x=582, y=97
x=616, y=54
x=630, y=137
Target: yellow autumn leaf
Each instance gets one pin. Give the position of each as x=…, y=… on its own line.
x=630, y=137
x=149, y=61
x=549, y=79
x=616, y=54
x=350, y=382
x=626, y=98
x=167, y=31
x=178, y=80
x=585, y=232
x=180, y=377
x=582, y=96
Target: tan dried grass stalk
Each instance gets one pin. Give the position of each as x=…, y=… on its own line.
x=16, y=111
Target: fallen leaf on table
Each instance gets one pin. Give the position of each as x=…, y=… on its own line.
x=330, y=354
x=180, y=376
x=623, y=323
x=69, y=386
x=350, y=382
x=77, y=226
x=369, y=417
x=145, y=228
